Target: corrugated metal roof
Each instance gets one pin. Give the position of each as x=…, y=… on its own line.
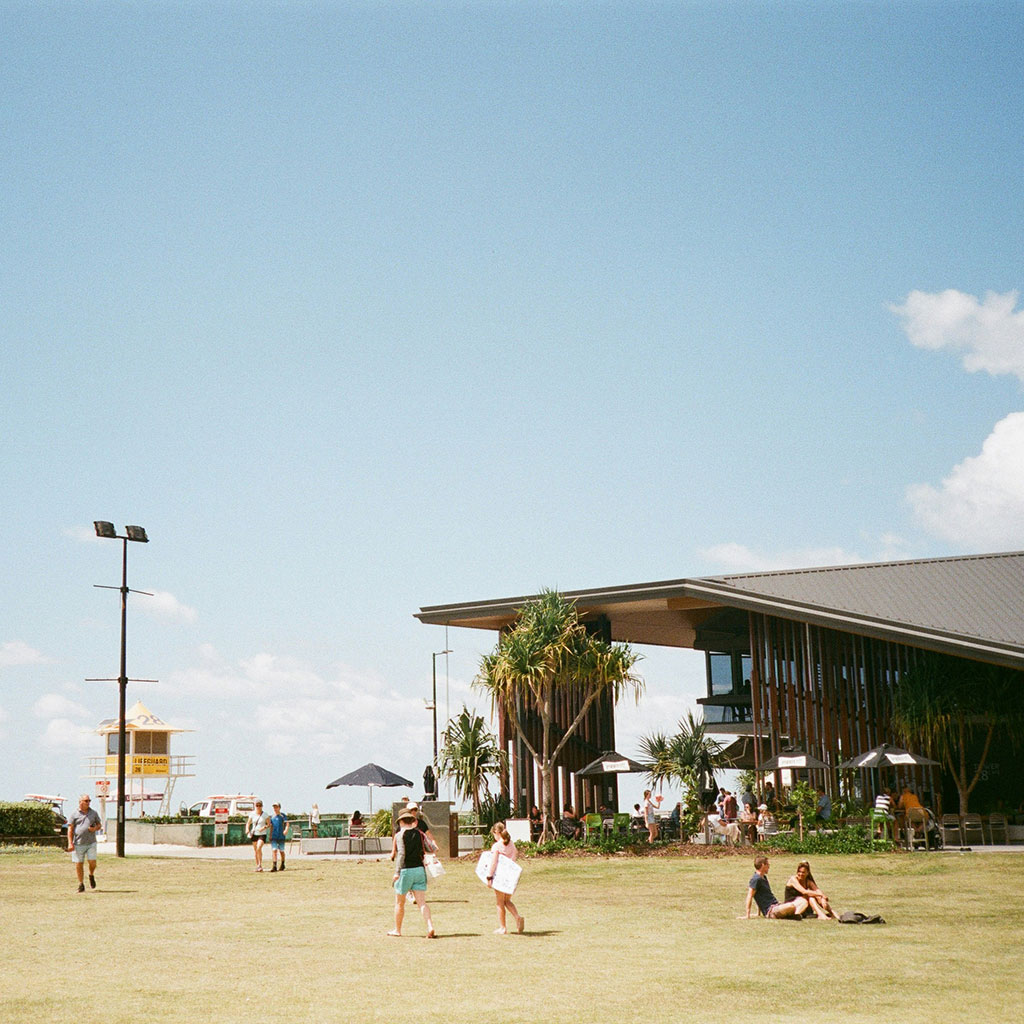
x=978, y=596
x=971, y=605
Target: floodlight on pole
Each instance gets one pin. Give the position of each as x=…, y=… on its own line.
x=135, y=533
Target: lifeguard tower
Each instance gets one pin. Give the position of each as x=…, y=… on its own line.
x=150, y=768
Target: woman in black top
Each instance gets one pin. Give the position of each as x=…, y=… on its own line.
x=410, y=875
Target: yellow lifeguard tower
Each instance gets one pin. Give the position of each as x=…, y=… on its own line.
x=148, y=761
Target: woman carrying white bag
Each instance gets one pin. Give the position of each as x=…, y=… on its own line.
x=503, y=847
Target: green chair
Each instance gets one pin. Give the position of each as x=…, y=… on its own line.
x=620, y=824
x=881, y=827
x=591, y=825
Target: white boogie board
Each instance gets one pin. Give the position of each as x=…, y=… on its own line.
x=506, y=875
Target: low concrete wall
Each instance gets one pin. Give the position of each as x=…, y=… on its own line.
x=470, y=843
x=157, y=835
x=177, y=835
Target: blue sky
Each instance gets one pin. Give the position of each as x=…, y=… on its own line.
x=361, y=307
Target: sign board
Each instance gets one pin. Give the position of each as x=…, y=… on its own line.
x=615, y=766
x=506, y=874
x=103, y=787
x=220, y=821
x=791, y=762
x=141, y=764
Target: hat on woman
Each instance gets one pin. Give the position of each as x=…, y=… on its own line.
x=406, y=815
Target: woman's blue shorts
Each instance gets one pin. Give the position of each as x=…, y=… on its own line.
x=411, y=879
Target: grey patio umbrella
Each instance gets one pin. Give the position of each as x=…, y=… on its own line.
x=791, y=757
x=370, y=775
x=611, y=763
x=886, y=755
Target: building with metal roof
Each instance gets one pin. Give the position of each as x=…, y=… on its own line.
x=805, y=656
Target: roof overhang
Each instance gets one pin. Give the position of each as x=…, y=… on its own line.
x=670, y=612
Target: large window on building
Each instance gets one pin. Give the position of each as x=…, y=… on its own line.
x=728, y=699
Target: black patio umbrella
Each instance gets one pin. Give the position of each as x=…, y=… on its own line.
x=886, y=755
x=370, y=775
x=791, y=757
x=611, y=763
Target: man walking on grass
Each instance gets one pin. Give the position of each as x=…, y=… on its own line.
x=82, y=828
x=760, y=891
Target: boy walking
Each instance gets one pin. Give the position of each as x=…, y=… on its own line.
x=279, y=829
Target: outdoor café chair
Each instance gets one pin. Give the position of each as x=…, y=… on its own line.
x=881, y=827
x=917, y=828
x=620, y=824
x=972, y=830
x=591, y=825
x=997, y=826
x=950, y=825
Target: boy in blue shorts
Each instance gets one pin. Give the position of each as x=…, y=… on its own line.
x=279, y=829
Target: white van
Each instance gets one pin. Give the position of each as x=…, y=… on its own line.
x=235, y=803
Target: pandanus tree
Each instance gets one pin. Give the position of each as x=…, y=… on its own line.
x=547, y=655
x=470, y=753
x=952, y=708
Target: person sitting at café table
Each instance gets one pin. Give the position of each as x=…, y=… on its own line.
x=570, y=827
x=760, y=892
x=823, y=810
x=908, y=799
x=766, y=825
x=801, y=883
x=536, y=822
x=884, y=804
x=748, y=823
x=718, y=825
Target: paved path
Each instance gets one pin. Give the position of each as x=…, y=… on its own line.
x=220, y=852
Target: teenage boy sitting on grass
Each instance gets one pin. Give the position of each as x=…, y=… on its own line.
x=760, y=892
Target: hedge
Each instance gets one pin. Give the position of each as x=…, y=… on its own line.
x=27, y=818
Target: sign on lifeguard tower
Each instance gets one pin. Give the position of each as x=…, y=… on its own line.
x=148, y=760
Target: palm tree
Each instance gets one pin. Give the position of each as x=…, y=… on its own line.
x=470, y=753
x=951, y=707
x=690, y=757
x=546, y=655
x=691, y=749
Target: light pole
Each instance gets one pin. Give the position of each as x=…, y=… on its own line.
x=137, y=533
x=433, y=660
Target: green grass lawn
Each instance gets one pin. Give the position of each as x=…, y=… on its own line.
x=618, y=940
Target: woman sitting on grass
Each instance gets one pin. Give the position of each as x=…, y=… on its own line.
x=802, y=884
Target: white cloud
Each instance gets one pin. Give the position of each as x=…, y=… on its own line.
x=981, y=503
x=290, y=708
x=84, y=534
x=989, y=333
x=260, y=677
x=54, y=705
x=63, y=734
x=163, y=605
x=738, y=558
x=14, y=652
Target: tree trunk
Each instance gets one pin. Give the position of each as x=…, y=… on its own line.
x=547, y=710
